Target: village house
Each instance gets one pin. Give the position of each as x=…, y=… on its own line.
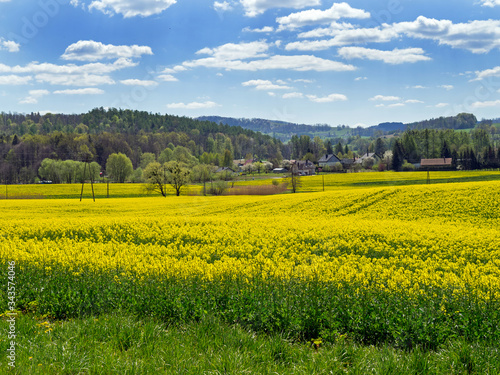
x=368, y=155
x=328, y=160
x=305, y=167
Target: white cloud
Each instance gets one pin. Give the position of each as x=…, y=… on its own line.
x=223, y=58
x=89, y=50
x=316, y=16
x=131, y=8
x=9, y=45
x=271, y=94
x=447, y=87
x=418, y=87
x=442, y=105
x=256, y=7
x=327, y=99
x=193, y=105
x=74, y=79
x=138, y=82
x=260, y=84
x=223, y=6
x=293, y=95
x=175, y=69
x=332, y=30
x=480, y=75
x=86, y=91
x=385, y=98
x=167, y=78
x=14, y=80
x=229, y=56
x=33, y=97
x=396, y=105
x=92, y=74
x=92, y=68
x=396, y=56
x=414, y=101
x=490, y=3
x=360, y=78
x=346, y=37
x=265, y=29
x=232, y=51
x=486, y=104
x=474, y=36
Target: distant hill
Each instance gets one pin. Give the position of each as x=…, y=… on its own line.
x=285, y=130
x=279, y=129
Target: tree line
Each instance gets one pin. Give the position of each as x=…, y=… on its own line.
x=27, y=142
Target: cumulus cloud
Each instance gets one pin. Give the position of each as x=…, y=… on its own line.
x=346, y=37
x=490, y=3
x=396, y=56
x=413, y=101
x=495, y=103
x=255, y=7
x=175, y=69
x=327, y=99
x=316, y=16
x=86, y=91
x=222, y=6
x=442, y=105
x=474, y=36
x=138, y=82
x=293, y=95
x=260, y=84
x=241, y=51
x=193, y=105
x=167, y=78
x=9, y=45
x=265, y=29
x=14, y=80
x=385, y=98
x=92, y=74
x=74, y=79
x=131, y=8
x=33, y=97
x=89, y=50
x=230, y=57
x=482, y=74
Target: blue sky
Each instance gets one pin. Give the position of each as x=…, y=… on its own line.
x=356, y=62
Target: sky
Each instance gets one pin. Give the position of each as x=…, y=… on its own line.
x=355, y=63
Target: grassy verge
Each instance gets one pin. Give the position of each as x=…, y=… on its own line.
x=122, y=344
x=303, y=308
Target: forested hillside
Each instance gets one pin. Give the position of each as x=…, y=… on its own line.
x=34, y=146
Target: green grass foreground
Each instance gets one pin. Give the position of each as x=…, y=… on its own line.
x=121, y=344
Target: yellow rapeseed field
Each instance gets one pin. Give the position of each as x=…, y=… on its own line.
x=411, y=239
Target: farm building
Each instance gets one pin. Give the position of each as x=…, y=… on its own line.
x=441, y=164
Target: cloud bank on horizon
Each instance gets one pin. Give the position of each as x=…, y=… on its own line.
x=348, y=62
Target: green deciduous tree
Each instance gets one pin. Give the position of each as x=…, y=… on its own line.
x=177, y=175
x=156, y=177
x=119, y=167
